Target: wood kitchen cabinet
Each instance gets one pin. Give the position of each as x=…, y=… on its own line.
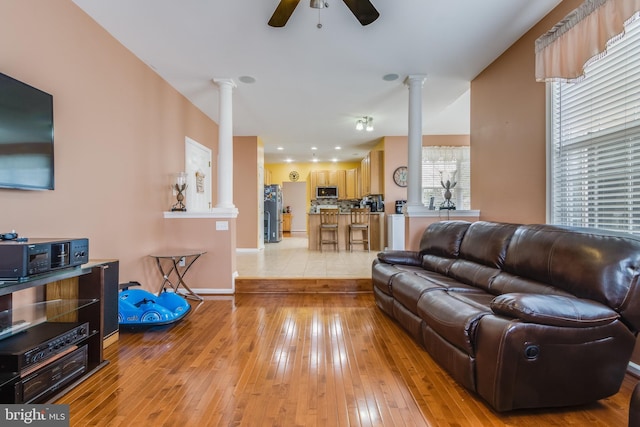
x=286, y=222
x=324, y=178
x=372, y=174
x=351, y=184
x=376, y=224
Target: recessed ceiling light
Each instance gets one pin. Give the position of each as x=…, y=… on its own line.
x=288, y=160
x=280, y=148
x=338, y=148
x=315, y=160
x=390, y=77
x=314, y=148
x=247, y=79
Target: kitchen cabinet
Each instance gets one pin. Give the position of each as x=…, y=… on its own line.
x=351, y=184
x=339, y=178
x=286, y=222
x=324, y=178
x=372, y=173
x=376, y=226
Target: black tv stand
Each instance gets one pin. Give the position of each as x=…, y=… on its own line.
x=70, y=304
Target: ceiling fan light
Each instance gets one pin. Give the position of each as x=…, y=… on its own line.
x=317, y=4
x=359, y=125
x=369, y=124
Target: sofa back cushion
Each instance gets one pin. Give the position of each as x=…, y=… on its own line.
x=592, y=264
x=443, y=238
x=486, y=243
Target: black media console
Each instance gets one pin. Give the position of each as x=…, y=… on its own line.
x=49, y=345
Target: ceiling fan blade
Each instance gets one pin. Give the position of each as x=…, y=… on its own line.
x=283, y=13
x=363, y=10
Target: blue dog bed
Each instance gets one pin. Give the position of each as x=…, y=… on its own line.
x=140, y=308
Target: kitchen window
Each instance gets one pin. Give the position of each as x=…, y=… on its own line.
x=594, y=142
x=440, y=164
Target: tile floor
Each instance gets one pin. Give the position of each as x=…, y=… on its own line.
x=291, y=258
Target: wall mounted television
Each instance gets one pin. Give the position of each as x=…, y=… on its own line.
x=26, y=136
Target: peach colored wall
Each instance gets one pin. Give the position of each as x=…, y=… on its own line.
x=213, y=272
x=119, y=135
x=508, y=133
x=396, y=153
x=247, y=189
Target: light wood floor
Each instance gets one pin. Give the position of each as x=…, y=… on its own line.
x=293, y=360
x=291, y=258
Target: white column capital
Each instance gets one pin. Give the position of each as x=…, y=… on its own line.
x=412, y=79
x=225, y=82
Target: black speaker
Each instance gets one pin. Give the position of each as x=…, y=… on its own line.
x=110, y=297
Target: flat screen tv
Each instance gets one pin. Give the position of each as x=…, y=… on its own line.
x=26, y=136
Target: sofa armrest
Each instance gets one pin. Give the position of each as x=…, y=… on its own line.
x=401, y=257
x=554, y=310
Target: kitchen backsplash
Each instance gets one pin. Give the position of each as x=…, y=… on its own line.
x=344, y=205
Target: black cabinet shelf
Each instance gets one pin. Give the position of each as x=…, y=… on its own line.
x=19, y=319
x=72, y=296
x=10, y=286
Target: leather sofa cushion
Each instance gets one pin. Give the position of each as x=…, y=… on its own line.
x=486, y=243
x=455, y=315
x=506, y=283
x=382, y=274
x=471, y=273
x=553, y=310
x=401, y=257
x=599, y=266
x=443, y=238
x=407, y=289
x=437, y=263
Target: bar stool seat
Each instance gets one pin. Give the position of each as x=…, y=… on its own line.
x=360, y=225
x=329, y=227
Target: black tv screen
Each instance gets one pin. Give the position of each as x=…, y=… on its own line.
x=26, y=136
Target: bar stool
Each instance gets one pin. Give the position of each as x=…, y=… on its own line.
x=329, y=225
x=359, y=224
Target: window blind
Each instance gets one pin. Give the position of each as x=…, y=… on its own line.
x=595, y=142
x=442, y=164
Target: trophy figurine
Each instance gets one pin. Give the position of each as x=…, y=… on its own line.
x=179, y=187
x=448, y=186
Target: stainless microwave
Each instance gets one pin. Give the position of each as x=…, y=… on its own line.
x=327, y=192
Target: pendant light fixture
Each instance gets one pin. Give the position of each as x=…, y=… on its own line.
x=365, y=123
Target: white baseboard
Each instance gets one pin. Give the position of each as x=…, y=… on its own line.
x=248, y=250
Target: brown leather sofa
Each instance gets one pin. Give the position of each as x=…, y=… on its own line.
x=526, y=316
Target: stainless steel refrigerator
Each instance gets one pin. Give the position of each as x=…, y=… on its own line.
x=272, y=213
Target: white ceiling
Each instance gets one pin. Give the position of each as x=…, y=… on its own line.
x=311, y=85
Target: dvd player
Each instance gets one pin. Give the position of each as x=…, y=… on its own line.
x=19, y=260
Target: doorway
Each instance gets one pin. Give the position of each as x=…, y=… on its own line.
x=294, y=195
x=198, y=168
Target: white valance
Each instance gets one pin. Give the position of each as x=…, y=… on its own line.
x=582, y=36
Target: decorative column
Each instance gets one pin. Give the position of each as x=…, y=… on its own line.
x=225, y=144
x=414, y=179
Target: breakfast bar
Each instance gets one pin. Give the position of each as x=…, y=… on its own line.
x=376, y=225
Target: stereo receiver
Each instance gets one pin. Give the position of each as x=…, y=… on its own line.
x=38, y=343
x=19, y=260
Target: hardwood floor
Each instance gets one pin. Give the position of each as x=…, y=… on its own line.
x=293, y=360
